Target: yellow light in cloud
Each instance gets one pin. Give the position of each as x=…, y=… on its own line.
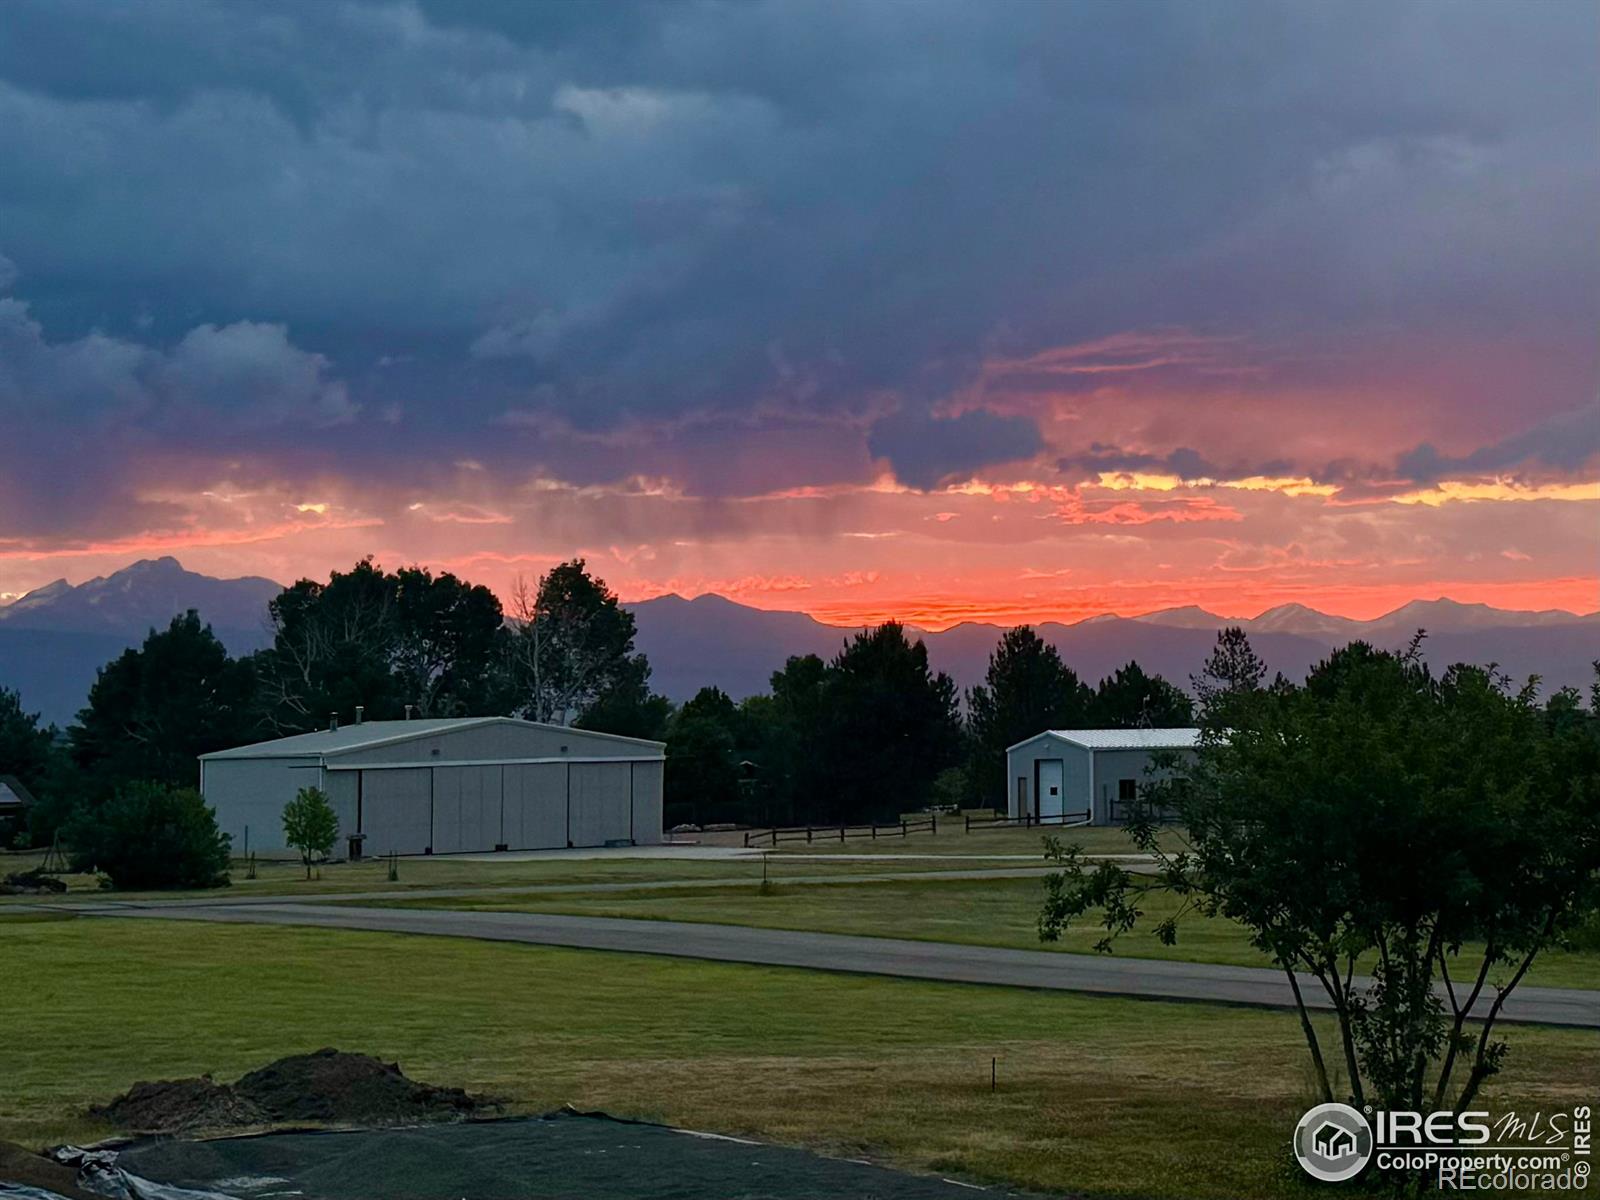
x=1141, y=481
x=1288, y=487
x=977, y=487
x=1499, y=489
x=319, y=509
x=1145, y=481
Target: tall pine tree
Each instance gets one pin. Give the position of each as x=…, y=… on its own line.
x=1027, y=689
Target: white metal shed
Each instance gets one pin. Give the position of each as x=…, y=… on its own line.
x=441, y=786
x=1091, y=775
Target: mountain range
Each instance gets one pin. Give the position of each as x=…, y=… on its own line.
x=53, y=638
x=712, y=639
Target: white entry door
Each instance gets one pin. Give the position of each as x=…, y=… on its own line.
x=1050, y=788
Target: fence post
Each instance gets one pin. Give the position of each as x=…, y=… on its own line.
x=808, y=835
x=841, y=833
x=874, y=831
x=933, y=821
x=902, y=827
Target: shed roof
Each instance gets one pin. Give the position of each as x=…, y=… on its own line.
x=367, y=734
x=1122, y=739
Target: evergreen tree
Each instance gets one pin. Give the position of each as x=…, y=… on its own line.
x=1027, y=689
x=890, y=724
x=1130, y=699
x=793, y=739
x=25, y=749
x=1233, y=672
x=152, y=710
x=31, y=755
x=703, y=776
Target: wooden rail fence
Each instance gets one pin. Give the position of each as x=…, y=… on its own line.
x=1028, y=822
x=830, y=833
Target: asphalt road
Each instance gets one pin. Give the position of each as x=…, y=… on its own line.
x=1057, y=971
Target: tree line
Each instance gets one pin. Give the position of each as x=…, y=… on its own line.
x=862, y=736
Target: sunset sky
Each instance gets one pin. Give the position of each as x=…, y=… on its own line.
x=929, y=310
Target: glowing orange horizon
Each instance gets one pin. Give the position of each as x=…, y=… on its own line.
x=1577, y=596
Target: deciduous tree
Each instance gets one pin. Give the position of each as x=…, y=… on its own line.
x=1437, y=834
x=149, y=835
x=572, y=645
x=382, y=640
x=310, y=826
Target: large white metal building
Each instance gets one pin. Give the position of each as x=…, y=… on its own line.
x=1090, y=775
x=445, y=786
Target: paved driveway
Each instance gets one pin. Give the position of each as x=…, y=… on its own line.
x=1111, y=975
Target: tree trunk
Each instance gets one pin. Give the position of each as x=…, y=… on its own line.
x=1311, y=1035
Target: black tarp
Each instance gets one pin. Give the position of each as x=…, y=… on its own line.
x=562, y=1156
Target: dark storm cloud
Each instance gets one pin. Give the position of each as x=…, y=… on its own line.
x=925, y=451
x=1183, y=462
x=1565, y=442
x=398, y=222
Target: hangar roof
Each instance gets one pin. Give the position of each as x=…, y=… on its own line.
x=367, y=734
x=1122, y=739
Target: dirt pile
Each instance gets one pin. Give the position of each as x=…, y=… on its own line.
x=31, y=883
x=329, y=1087
x=175, y=1105
x=356, y=1088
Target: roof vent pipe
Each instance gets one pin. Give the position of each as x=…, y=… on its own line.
x=333, y=722
x=409, y=707
x=361, y=710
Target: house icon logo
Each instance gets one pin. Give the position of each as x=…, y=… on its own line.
x=1333, y=1142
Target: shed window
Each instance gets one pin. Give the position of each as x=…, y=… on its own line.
x=1127, y=790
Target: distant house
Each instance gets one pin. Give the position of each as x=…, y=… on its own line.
x=1086, y=775
x=15, y=800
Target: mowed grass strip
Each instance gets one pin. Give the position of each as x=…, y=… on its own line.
x=982, y=912
x=1097, y=1095
x=278, y=878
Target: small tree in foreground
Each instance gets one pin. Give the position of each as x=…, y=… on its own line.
x=310, y=826
x=1436, y=835
x=150, y=835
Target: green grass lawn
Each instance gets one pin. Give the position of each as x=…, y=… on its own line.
x=276, y=878
x=999, y=848
x=1099, y=1095
x=998, y=912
